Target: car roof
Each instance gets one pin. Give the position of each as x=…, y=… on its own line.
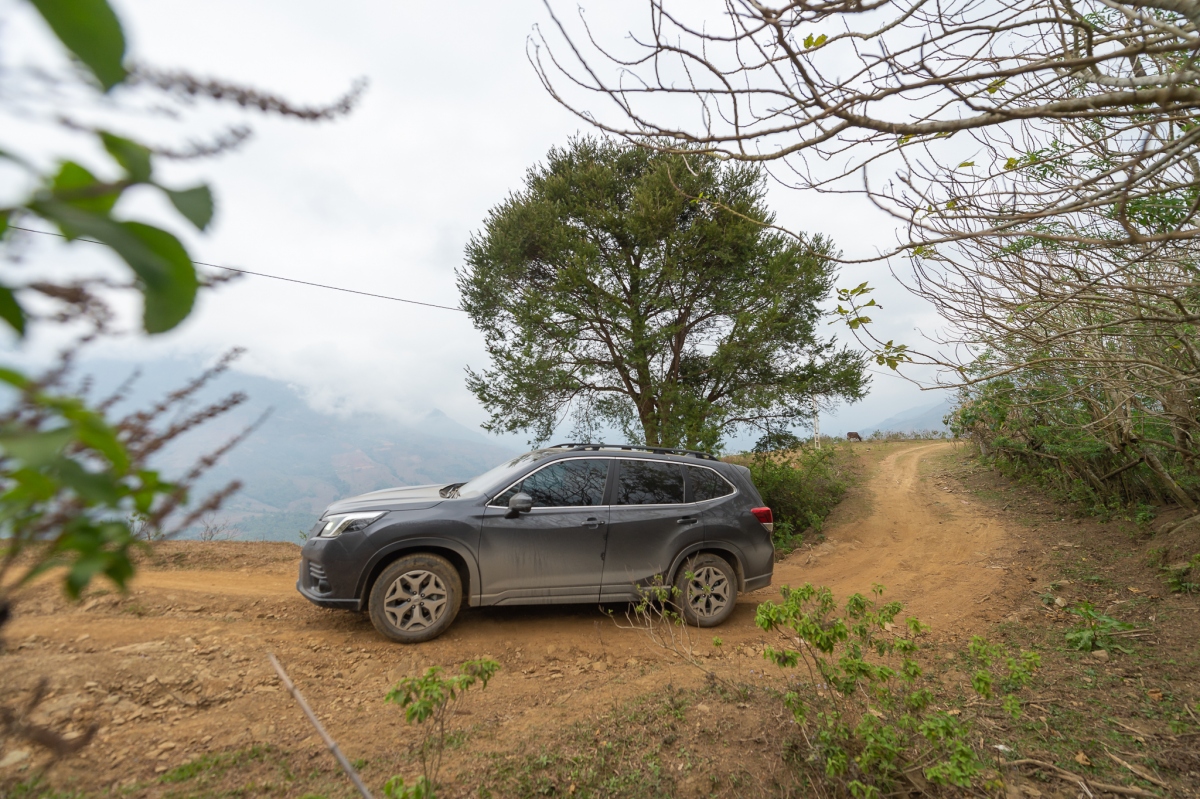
x=632, y=451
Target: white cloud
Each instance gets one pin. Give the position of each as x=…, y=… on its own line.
x=384, y=200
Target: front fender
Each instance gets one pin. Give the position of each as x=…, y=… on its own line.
x=420, y=544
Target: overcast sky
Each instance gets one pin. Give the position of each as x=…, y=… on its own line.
x=382, y=201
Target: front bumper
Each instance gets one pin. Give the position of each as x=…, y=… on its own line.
x=322, y=585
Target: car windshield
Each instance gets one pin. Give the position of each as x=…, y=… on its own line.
x=500, y=476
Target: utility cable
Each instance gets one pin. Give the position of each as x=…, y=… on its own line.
x=263, y=274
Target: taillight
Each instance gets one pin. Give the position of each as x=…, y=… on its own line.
x=763, y=515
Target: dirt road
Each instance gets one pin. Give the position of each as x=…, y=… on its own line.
x=178, y=666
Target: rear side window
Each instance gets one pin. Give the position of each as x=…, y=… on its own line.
x=566, y=484
x=707, y=484
x=649, y=483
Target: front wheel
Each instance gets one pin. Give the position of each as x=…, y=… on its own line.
x=706, y=590
x=415, y=598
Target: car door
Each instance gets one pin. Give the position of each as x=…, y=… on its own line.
x=648, y=525
x=554, y=553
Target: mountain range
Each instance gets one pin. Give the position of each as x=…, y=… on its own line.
x=918, y=419
x=298, y=459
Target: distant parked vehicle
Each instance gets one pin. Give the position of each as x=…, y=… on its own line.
x=569, y=523
x=853, y=437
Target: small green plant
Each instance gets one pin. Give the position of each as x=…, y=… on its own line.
x=427, y=699
x=863, y=712
x=1184, y=578
x=717, y=642
x=1095, y=631
x=1143, y=514
x=1157, y=557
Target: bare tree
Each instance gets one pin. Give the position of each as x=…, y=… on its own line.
x=1039, y=155
x=852, y=88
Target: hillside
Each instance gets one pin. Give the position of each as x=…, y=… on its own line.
x=922, y=417
x=300, y=459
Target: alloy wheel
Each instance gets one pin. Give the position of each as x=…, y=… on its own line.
x=415, y=600
x=708, y=592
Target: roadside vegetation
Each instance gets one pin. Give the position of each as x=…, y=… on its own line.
x=801, y=486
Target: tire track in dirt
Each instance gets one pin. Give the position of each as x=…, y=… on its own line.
x=931, y=549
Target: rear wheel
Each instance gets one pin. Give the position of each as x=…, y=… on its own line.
x=415, y=598
x=706, y=588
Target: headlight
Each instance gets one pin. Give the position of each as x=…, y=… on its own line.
x=348, y=523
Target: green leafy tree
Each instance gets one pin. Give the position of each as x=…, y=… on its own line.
x=648, y=292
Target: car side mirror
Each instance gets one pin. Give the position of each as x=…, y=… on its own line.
x=519, y=503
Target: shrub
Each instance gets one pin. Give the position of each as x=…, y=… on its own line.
x=865, y=714
x=1184, y=578
x=800, y=489
x=427, y=699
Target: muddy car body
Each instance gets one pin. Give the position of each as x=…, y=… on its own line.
x=567, y=524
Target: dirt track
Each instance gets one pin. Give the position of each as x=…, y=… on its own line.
x=932, y=550
x=181, y=660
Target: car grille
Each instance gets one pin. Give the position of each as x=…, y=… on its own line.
x=316, y=576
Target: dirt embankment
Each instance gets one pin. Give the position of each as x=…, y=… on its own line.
x=177, y=667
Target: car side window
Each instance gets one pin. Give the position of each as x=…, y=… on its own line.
x=566, y=484
x=649, y=483
x=707, y=484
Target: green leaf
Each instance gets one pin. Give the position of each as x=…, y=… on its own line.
x=195, y=203
x=167, y=275
x=36, y=450
x=11, y=311
x=95, y=487
x=133, y=157
x=89, y=29
x=94, y=432
x=965, y=164
x=78, y=187
x=1012, y=163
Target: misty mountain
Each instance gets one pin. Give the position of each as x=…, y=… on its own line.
x=922, y=417
x=299, y=459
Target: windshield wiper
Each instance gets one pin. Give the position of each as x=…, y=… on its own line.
x=451, y=491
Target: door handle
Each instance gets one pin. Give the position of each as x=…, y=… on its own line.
x=687, y=520
x=592, y=523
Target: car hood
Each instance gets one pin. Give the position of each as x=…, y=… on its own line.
x=404, y=498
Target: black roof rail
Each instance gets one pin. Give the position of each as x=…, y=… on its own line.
x=635, y=448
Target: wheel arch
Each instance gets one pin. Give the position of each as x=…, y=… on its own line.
x=464, y=563
x=726, y=552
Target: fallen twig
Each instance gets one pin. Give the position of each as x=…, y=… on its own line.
x=1132, y=729
x=312, y=717
x=1070, y=776
x=1138, y=770
x=1062, y=773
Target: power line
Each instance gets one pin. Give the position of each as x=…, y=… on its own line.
x=273, y=277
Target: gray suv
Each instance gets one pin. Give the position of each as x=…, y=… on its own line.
x=569, y=523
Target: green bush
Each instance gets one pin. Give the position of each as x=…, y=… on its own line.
x=867, y=716
x=800, y=488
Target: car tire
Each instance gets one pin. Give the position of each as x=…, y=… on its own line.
x=415, y=598
x=706, y=590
